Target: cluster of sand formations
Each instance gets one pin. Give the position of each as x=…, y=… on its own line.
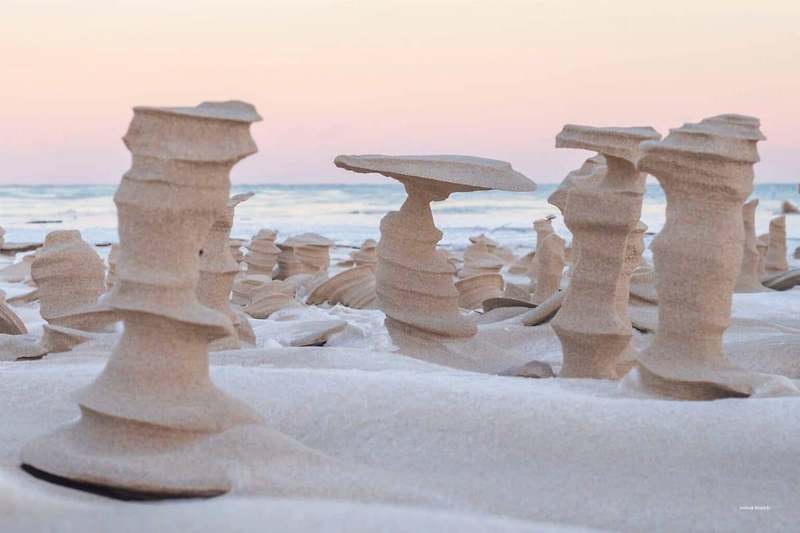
x=69, y=277
x=154, y=424
x=307, y=253
x=262, y=253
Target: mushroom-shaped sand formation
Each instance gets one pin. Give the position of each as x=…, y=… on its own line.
x=601, y=213
x=414, y=281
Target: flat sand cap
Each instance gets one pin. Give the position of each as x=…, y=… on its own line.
x=614, y=141
x=232, y=110
x=464, y=170
x=308, y=239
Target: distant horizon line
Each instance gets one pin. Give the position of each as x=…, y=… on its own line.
x=316, y=183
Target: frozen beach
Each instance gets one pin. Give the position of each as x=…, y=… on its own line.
x=423, y=447
x=414, y=446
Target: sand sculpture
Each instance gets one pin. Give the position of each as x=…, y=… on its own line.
x=354, y=287
x=414, y=281
x=367, y=254
x=218, y=269
x=543, y=228
x=494, y=248
x=472, y=291
x=642, y=276
x=551, y=261
x=775, y=260
x=262, y=254
x=762, y=245
x=592, y=170
x=594, y=331
x=270, y=297
x=244, y=287
x=152, y=422
x=522, y=264
x=307, y=253
x=70, y=277
x=634, y=255
x=479, y=260
x=697, y=163
x=749, y=279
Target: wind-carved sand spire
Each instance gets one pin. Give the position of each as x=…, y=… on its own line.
x=777, y=275
x=762, y=245
x=749, y=279
x=593, y=330
x=270, y=297
x=367, y=254
x=354, y=287
x=698, y=164
x=505, y=254
x=70, y=277
x=414, y=281
x=262, y=254
x=218, y=268
x=479, y=260
x=307, y=253
x=642, y=276
x=153, y=422
x=775, y=261
x=474, y=290
x=550, y=268
x=543, y=228
x=591, y=171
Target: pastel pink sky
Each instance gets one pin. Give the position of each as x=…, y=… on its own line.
x=490, y=78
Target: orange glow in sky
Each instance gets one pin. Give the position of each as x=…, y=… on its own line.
x=489, y=78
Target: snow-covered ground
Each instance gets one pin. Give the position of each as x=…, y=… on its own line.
x=448, y=449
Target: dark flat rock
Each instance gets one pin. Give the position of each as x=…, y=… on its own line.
x=10, y=248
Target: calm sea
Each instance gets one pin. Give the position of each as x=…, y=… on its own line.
x=346, y=213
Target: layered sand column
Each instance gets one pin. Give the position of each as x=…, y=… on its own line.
x=146, y=417
x=543, y=228
x=749, y=279
x=414, y=280
x=775, y=261
x=593, y=328
x=262, y=253
x=70, y=277
x=218, y=268
x=698, y=255
x=551, y=261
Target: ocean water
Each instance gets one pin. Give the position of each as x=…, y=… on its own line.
x=346, y=213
